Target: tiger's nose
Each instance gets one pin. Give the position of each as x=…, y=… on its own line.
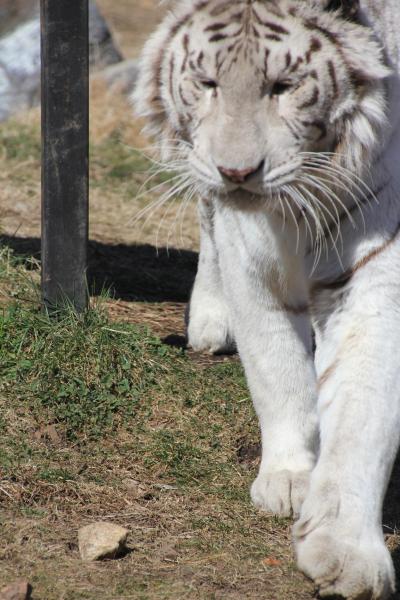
x=240, y=175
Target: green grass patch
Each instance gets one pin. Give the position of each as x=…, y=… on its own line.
x=115, y=163
x=19, y=141
x=82, y=371
x=92, y=377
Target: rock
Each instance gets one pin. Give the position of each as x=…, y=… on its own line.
x=135, y=489
x=165, y=486
x=101, y=540
x=121, y=77
x=103, y=51
x=15, y=12
x=20, y=59
x=18, y=590
x=20, y=69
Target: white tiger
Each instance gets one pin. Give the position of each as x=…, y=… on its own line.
x=284, y=116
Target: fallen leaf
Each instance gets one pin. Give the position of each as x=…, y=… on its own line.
x=271, y=562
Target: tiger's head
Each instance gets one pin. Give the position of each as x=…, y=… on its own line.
x=249, y=92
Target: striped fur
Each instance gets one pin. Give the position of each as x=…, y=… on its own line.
x=283, y=116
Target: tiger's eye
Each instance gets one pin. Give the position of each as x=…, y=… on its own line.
x=280, y=87
x=209, y=83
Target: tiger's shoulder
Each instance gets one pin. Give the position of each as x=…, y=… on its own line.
x=383, y=16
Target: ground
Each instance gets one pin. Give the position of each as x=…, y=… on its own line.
x=107, y=416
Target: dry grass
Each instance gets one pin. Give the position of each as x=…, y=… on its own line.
x=182, y=545
x=118, y=170
x=132, y=21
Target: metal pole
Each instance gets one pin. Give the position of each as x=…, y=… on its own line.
x=65, y=135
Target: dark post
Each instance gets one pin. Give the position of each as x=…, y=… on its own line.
x=65, y=120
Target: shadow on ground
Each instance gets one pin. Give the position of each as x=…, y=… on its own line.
x=391, y=510
x=136, y=273
x=391, y=518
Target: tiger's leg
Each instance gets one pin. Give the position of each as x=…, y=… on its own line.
x=273, y=335
x=339, y=537
x=209, y=323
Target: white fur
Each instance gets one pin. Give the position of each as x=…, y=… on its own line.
x=210, y=324
x=330, y=423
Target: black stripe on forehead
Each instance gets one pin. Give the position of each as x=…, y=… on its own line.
x=266, y=57
x=357, y=78
x=171, y=74
x=273, y=37
x=216, y=27
x=220, y=8
x=275, y=27
x=218, y=37
x=273, y=8
x=158, y=65
x=332, y=75
x=315, y=46
x=312, y=100
x=185, y=43
x=182, y=96
x=175, y=28
x=297, y=64
x=311, y=25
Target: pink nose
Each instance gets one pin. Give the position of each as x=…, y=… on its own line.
x=239, y=175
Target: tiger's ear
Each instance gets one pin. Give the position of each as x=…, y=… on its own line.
x=348, y=8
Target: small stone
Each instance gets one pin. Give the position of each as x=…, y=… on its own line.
x=165, y=486
x=135, y=489
x=101, y=540
x=18, y=590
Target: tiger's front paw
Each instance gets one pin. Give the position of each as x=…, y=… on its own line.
x=209, y=328
x=345, y=566
x=280, y=492
x=341, y=549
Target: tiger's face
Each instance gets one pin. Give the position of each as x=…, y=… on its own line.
x=249, y=91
